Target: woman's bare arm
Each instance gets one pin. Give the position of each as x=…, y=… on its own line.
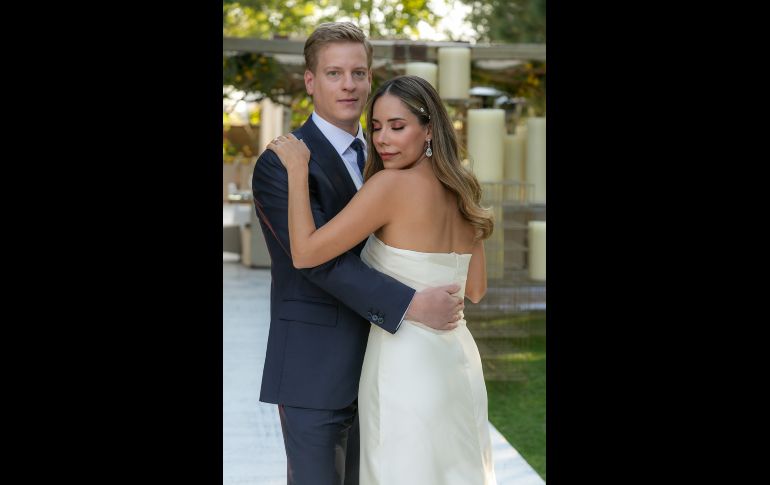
x=476, y=284
x=371, y=208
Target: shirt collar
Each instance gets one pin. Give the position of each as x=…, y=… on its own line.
x=339, y=138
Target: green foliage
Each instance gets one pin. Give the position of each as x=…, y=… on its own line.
x=229, y=150
x=251, y=72
x=526, y=80
x=377, y=18
x=517, y=21
x=381, y=19
x=513, y=22
x=301, y=107
x=267, y=18
x=262, y=76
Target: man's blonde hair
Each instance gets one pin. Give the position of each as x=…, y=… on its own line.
x=334, y=32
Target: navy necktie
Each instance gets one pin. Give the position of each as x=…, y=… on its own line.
x=358, y=147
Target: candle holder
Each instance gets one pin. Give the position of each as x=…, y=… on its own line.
x=490, y=97
x=487, y=95
x=513, y=108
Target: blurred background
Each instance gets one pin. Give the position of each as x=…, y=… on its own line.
x=487, y=59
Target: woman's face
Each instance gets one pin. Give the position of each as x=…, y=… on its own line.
x=398, y=136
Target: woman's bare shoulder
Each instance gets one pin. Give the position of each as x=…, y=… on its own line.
x=390, y=177
x=387, y=174
x=400, y=184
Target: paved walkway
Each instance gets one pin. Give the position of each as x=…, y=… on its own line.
x=253, y=452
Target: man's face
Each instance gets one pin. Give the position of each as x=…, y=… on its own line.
x=340, y=84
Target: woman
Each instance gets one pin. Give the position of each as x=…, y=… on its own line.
x=422, y=399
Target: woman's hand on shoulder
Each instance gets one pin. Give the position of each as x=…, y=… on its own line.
x=294, y=154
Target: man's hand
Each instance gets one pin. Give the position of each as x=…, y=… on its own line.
x=437, y=307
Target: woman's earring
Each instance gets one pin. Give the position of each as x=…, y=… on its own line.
x=428, y=152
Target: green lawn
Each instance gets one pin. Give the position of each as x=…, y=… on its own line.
x=517, y=407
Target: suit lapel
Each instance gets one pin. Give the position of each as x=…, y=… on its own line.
x=323, y=153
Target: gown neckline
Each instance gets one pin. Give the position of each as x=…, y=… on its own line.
x=416, y=252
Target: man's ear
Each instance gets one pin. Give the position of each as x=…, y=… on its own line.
x=309, y=78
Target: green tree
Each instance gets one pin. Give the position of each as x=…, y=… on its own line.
x=265, y=19
x=380, y=19
x=513, y=22
x=517, y=21
x=377, y=18
x=260, y=75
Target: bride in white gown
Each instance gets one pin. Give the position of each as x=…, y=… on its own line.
x=422, y=399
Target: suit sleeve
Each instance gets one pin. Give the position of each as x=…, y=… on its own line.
x=375, y=296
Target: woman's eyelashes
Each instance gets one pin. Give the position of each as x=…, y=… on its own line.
x=394, y=128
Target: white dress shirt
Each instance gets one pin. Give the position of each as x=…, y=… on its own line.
x=341, y=140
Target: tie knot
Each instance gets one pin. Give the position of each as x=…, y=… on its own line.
x=357, y=145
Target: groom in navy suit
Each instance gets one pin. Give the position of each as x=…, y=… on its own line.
x=319, y=317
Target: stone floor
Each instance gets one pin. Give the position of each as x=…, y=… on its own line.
x=253, y=451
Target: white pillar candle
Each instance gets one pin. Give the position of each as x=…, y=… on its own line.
x=536, y=157
x=265, y=124
x=537, y=250
x=454, y=72
x=425, y=70
x=270, y=122
x=486, y=137
x=513, y=168
x=277, y=119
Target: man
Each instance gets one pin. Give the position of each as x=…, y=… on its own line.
x=319, y=317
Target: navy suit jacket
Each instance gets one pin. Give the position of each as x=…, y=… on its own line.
x=319, y=317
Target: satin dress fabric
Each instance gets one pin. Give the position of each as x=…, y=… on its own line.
x=422, y=398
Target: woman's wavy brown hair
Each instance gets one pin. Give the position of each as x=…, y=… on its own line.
x=424, y=102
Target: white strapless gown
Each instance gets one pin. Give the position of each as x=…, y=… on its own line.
x=422, y=398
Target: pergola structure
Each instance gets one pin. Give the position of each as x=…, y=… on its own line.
x=498, y=62
x=394, y=54
x=395, y=50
